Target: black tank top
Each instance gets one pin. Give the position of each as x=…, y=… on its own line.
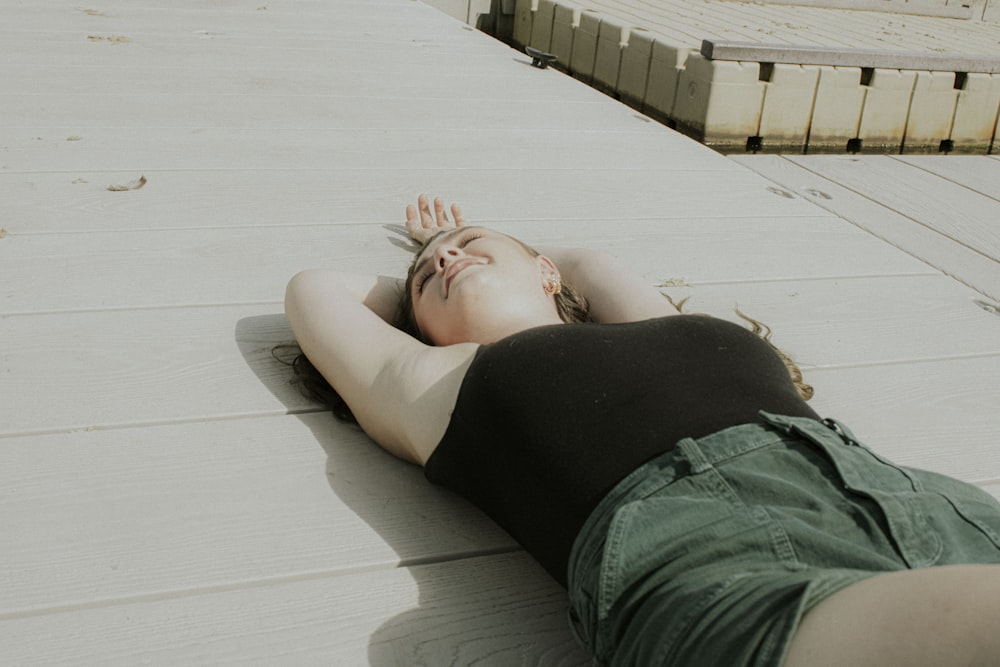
x=548, y=420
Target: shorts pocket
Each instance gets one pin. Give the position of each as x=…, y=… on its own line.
x=694, y=528
x=977, y=508
x=897, y=493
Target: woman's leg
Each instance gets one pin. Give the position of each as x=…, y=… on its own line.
x=930, y=617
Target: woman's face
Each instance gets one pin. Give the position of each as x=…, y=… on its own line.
x=472, y=284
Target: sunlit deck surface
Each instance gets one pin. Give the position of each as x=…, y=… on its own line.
x=167, y=497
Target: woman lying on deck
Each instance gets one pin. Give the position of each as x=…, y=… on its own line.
x=663, y=467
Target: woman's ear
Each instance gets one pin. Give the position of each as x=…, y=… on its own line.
x=547, y=268
x=551, y=280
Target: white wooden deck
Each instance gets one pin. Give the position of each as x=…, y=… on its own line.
x=166, y=497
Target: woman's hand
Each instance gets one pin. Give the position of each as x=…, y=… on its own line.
x=421, y=225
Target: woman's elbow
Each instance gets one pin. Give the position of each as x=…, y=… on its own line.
x=310, y=285
x=302, y=293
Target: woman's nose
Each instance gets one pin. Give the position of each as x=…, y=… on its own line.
x=446, y=254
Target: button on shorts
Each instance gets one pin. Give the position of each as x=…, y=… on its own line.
x=711, y=553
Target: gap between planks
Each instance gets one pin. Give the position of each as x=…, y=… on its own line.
x=267, y=582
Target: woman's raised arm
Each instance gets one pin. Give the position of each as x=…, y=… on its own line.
x=400, y=390
x=392, y=382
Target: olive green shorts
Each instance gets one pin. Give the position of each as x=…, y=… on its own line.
x=711, y=553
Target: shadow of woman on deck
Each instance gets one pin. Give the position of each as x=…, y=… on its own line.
x=482, y=600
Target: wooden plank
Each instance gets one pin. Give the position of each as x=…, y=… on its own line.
x=248, y=59
x=853, y=321
x=360, y=38
x=129, y=367
x=856, y=57
x=355, y=60
x=939, y=415
x=977, y=173
x=192, y=200
x=120, y=368
x=500, y=610
x=965, y=216
x=69, y=149
x=354, y=47
x=190, y=266
x=237, y=11
x=245, y=62
x=275, y=112
x=304, y=23
x=95, y=517
x=503, y=84
x=922, y=216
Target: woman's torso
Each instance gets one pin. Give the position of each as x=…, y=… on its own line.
x=548, y=420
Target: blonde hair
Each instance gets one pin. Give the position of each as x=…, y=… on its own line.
x=764, y=332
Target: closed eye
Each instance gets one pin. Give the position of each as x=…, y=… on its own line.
x=423, y=278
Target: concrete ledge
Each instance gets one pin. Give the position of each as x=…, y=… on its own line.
x=689, y=65
x=941, y=8
x=814, y=55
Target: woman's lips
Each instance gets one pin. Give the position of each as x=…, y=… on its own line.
x=457, y=267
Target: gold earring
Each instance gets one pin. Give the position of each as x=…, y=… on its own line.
x=553, y=286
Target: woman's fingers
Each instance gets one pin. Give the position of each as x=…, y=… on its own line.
x=422, y=223
x=412, y=219
x=425, y=211
x=439, y=213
